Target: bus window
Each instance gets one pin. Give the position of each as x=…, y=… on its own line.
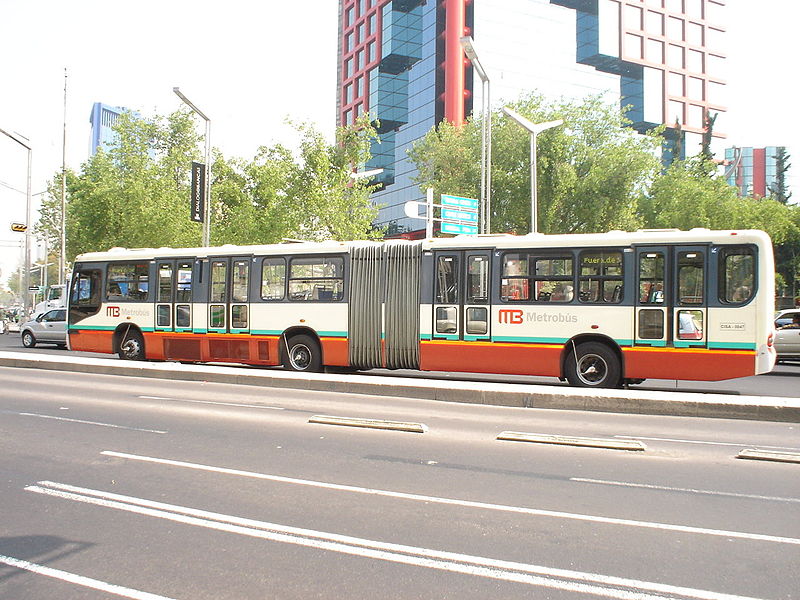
x=552, y=280
x=737, y=275
x=164, y=283
x=86, y=288
x=651, y=277
x=241, y=278
x=690, y=278
x=218, y=276
x=183, y=290
x=478, y=280
x=273, y=279
x=600, y=278
x=515, y=282
x=447, y=280
x=316, y=278
x=127, y=282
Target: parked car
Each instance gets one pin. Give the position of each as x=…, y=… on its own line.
x=787, y=334
x=47, y=328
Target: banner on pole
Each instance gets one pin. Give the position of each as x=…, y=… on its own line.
x=198, y=206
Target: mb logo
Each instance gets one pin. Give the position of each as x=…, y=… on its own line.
x=512, y=317
x=112, y=311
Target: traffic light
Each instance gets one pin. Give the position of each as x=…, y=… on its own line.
x=21, y=227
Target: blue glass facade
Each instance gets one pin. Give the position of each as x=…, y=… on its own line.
x=103, y=118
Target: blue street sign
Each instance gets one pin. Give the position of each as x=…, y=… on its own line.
x=458, y=228
x=459, y=202
x=452, y=214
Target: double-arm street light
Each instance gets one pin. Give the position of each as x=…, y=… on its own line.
x=207, y=187
x=534, y=129
x=468, y=44
x=27, y=280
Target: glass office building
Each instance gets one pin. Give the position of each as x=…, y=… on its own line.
x=401, y=62
x=752, y=171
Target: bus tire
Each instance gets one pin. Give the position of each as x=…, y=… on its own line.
x=303, y=354
x=596, y=365
x=132, y=345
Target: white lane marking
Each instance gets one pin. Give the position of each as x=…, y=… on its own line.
x=465, y=503
x=537, y=575
x=707, y=443
x=90, y=423
x=213, y=402
x=678, y=489
x=79, y=579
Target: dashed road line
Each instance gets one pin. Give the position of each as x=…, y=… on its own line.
x=680, y=489
x=82, y=422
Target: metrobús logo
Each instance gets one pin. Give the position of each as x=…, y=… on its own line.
x=517, y=317
x=117, y=311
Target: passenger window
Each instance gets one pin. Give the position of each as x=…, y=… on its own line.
x=127, y=282
x=737, y=275
x=273, y=279
x=316, y=278
x=690, y=278
x=601, y=277
x=515, y=284
x=447, y=280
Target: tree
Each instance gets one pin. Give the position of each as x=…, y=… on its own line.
x=591, y=172
x=779, y=189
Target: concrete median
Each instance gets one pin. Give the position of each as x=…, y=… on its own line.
x=630, y=401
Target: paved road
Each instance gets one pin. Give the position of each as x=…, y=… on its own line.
x=192, y=490
x=782, y=382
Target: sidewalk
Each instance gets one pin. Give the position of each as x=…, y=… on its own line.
x=631, y=401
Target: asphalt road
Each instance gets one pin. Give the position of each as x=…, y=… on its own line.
x=128, y=487
x=783, y=381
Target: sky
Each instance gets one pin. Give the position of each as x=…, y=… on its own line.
x=251, y=64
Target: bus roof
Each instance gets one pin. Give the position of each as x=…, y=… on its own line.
x=499, y=241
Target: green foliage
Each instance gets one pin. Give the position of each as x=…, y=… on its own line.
x=137, y=193
x=591, y=172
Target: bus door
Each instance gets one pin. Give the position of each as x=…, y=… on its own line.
x=671, y=300
x=174, y=294
x=461, y=309
x=228, y=303
x=690, y=308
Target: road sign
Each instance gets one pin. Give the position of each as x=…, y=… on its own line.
x=452, y=214
x=20, y=227
x=412, y=209
x=458, y=228
x=467, y=203
x=34, y=288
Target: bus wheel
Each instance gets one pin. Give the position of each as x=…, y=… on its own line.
x=595, y=365
x=303, y=354
x=132, y=346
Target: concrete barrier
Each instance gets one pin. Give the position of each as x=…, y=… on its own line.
x=632, y=401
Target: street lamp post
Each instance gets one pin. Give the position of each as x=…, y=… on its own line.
x=468, y=44
x=207, y=188
x=534, y=129
x=27, y=279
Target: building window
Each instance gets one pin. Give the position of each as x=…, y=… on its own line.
x=675, y=56
x=655, y=23
x=676, y=87
x=675, y=29
x=694, y=34
x=695, y=62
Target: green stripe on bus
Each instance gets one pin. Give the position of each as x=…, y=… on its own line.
x=731, y=346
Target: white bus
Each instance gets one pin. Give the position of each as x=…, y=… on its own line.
x=598, y=310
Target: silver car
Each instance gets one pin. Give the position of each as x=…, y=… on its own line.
x=47, y=328
x=787, y=334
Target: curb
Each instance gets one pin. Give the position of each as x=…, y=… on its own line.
x=682, y=404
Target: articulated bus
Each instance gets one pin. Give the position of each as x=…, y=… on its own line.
x=597, y=310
